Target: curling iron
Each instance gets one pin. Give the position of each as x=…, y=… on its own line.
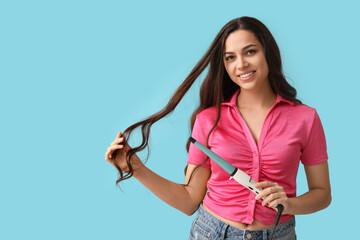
x=238, y=175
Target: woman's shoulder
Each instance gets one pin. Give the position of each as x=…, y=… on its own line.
x=301, y=107
x=207, y=115
x=301, y=112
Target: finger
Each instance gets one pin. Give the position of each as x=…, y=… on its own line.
x=107, y=156
x=117, y=141
x=270, y=198
x=274, y=203
x=282, y=200
x=262, y=194
x=109, y=160
x=119, y=135
x=275, y=199
x=267, y=191
x=112, y=148
x=265, y=184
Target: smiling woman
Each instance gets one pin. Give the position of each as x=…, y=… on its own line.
x=249, y=116
x=245, y=61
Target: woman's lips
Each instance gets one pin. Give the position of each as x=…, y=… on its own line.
x=246, y=76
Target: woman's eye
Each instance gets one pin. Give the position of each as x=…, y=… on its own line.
x=229, y=58
x=252, y=51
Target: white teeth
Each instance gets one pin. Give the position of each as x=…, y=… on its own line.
x=246, y=75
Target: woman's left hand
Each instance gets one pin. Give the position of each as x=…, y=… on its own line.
x=272, y=195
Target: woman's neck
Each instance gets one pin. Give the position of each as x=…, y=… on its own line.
x=263, y=98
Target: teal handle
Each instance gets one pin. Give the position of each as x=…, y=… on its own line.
x=216, y=158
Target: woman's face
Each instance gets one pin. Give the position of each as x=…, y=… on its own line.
x=245, y=61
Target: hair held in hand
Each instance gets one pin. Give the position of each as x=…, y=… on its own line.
x=217, y=85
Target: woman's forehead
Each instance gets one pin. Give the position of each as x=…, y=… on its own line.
x=240, y=39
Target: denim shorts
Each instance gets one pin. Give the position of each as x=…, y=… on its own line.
x=206, y=226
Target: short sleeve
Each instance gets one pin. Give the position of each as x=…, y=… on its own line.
x=196, y=156
x=315, y=150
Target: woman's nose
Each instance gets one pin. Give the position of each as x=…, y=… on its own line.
x=242, y=63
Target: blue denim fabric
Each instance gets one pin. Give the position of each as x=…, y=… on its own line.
x=206, y=226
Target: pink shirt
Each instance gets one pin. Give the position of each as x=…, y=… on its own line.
x=291, y=133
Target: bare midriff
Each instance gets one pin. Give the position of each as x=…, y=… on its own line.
x=256, y=225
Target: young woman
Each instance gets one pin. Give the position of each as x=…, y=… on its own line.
x=249, y=115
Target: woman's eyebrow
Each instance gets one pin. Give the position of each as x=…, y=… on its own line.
x=244, y=48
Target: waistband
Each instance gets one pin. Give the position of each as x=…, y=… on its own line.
x=282, y=229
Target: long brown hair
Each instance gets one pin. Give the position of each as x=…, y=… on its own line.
x=217, y=85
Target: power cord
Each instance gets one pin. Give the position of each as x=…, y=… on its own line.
x=280, y=208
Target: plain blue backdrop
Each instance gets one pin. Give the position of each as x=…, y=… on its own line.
x=75, y=73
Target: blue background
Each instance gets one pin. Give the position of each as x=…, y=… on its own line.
x=75, y=73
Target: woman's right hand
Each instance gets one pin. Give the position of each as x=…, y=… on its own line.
x=122, y=148
x=185, y=198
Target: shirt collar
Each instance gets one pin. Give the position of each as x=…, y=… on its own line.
x=233, y=98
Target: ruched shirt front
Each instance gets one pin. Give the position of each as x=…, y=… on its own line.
x=290, y=133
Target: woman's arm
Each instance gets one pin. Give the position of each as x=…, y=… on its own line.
x=184, y=198
x=317, y=198
x=319, y=195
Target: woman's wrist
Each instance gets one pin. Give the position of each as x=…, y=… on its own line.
x=139, y=170
x=288, y=209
